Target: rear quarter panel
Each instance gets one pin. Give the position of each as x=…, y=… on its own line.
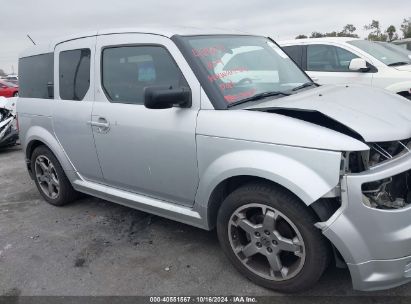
x=35, y=124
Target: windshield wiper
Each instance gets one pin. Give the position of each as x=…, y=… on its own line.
x=304, y=85
x=258, y=97
x=399, y=63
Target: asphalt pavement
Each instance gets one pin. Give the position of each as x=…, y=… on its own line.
x=94, y=247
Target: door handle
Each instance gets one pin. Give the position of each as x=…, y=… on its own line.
x=99, y=124
x=102, y=125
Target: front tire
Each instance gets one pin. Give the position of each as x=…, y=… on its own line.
x=270, y=237
x=50, y=179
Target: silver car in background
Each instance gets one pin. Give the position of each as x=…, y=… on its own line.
x=222, y=130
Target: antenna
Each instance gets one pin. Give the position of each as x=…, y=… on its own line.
x=31, y=39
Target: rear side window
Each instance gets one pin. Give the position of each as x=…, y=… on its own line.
x=128, y=70
x=296, y=53
x=36, y=75
x=74, y=74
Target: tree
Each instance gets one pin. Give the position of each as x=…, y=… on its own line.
x=406, y=28
x=316, y=35
x=348, y=31
x=2, y=73
x=375, y=34
x=391, y=33
x=331, y=34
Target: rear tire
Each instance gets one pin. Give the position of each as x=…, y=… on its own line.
x=50, y=179
x=270, y=237
x=16, y=94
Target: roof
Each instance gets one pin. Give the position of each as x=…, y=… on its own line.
x=162, y=31
x=310, y=40
x=401, y=41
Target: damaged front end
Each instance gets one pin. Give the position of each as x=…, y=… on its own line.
x=372, y=228
x=393, y=192
x=8, y=124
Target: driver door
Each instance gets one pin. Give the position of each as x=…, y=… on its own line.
x=145, y=151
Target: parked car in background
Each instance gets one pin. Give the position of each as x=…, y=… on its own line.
x=404, y=43
x=8, y=89
x=12, y=78
x=222, y=130
x=353, y=61
x=8, y=124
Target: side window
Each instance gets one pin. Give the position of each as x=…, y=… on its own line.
x=328, y=58
x=321, y=58
x=296, y=53
x=344, y=59
x=74, y=74
x=128, y=70
x=35, y=75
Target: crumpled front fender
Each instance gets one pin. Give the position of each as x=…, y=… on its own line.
x=308, y=173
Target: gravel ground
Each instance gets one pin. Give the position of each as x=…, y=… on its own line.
x=94, y=247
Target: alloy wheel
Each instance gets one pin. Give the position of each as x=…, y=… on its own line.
x=47, y=177
x=267, y=242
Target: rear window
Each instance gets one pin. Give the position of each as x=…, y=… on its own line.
x=74, y=74
x=35, y=74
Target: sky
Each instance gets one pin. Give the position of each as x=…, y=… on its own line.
x=45, y=20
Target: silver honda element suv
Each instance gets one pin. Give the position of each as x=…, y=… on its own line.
x=223, y=130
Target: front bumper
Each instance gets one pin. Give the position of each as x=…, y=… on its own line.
x=10, y=137
x=381, y=274
x=375, y=243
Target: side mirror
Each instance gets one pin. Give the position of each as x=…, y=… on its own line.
x=156, y=97
x=358, y=65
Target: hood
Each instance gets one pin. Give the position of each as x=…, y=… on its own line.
x=406, y=68
x=369, y=114
x=8, y=104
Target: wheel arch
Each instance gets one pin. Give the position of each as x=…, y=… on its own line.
x=297, y=172
x=323, y=208
x=38, y=136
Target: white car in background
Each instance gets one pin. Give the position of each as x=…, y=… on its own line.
x=404, y=43
x=353, y=61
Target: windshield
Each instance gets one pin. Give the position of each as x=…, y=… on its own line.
x=236, y=68
x=387, y=53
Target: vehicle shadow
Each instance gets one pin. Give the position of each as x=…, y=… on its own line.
x=137, y=227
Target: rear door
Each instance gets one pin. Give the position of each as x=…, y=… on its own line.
x=329, y=64
x=74, y=95
x=145, y=151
